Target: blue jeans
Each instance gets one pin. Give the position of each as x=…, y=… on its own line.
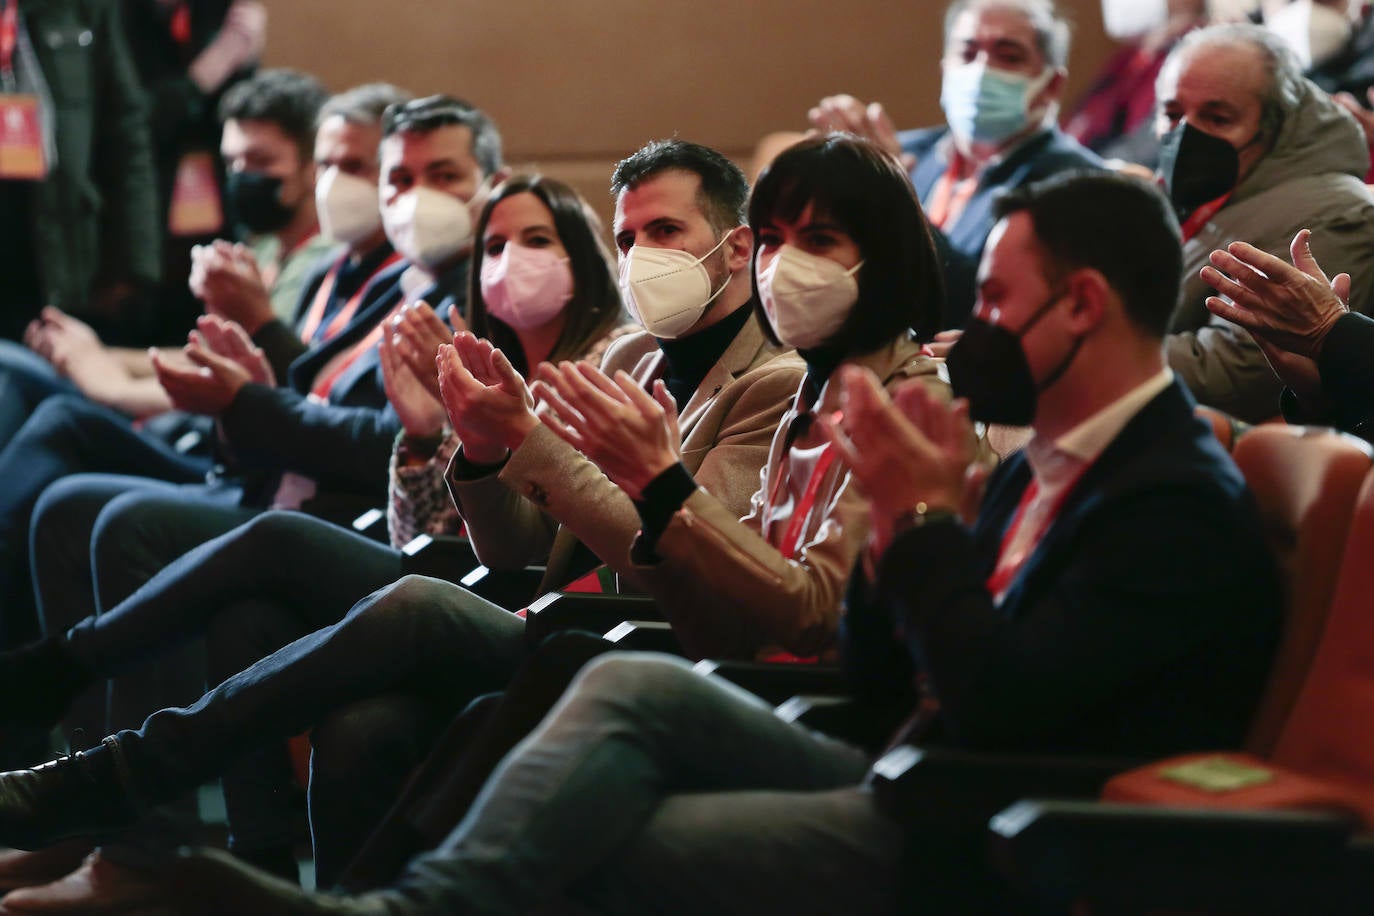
x=26, y=379
x=249, y=592
x=425, y=637
x=652, y=789
x=66, y=435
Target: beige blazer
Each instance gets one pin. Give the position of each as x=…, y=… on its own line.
x=729, y=592
x=548, y=496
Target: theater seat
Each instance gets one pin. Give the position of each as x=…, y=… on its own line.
x=1285, y=828
x=1225, y=427
x=1305, y=482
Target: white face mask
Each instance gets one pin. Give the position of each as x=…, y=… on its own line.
x=806, y=297
x=526, y=287
x=1128, y=19
x=1315, y=33
x=347, y=206
x=667, y=290
x=427, y=227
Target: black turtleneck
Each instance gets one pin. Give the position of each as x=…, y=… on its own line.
x=666, y=493
x=690, y=358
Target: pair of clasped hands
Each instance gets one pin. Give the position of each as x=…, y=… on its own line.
x=903, y=449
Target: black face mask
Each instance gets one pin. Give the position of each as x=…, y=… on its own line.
x=988, y=367
x=255, y=201
x=1197, y=167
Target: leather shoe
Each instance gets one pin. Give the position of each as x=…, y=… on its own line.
x=212, y=881
x=79, y=795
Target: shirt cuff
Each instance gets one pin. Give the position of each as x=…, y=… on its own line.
x=662, y=497
x=462, y=469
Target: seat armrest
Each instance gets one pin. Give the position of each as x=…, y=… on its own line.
x=444, y=557
x=372, y=524
x=590, y=611
x=845, y=717
x=776, y=682
x=645, y=636
x=921, y=786
x=1149, y=856
x=511, y=589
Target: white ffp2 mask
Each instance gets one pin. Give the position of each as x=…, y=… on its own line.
x=347, y=206
x=667, y=290
x=806, y=297
x=427, y=227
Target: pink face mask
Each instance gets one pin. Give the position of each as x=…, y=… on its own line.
x=526, y=287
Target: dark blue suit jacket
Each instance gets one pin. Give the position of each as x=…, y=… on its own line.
x=1143, y=624
x=961, y=244
x=345, y=444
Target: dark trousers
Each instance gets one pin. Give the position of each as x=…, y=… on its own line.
x=426, y=638
x=249, y=592
x=67, y=434
x=440, y=791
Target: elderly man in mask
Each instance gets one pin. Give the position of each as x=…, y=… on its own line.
x=1251, y=150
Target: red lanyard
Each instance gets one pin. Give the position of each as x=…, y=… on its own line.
x=9, y=35
x=951, y=195
x=1005, y=573
x=1202, y=215
x=315, y=316
x=800, y=512
x=329, y=375
x=180, y=25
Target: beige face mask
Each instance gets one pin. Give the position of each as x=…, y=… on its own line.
x=667, y=290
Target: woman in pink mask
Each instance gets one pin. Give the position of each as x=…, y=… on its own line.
x=542, y=290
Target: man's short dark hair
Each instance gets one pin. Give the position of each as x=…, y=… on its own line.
x=1120, y=226
x=289, y=99
x=420, y=116
x=365, y=104
x=724, y=189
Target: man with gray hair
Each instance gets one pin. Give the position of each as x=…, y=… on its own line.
x=1003, y=74
x=1250, y=150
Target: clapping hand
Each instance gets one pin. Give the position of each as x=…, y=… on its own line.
x=417, y=332
x=415, y=400
x=631, y=436
x=906, y=451
x=488, y=404
x=219, y=360
x=227, y=279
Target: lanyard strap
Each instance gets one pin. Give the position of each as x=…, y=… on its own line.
x=180, y=25
x=801, y=511
x=9, y=36
x=329, y=375
x=1202, y=216
x=315, y=316
x=1008, y=569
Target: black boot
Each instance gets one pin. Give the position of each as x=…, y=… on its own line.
x=80, y=795
x=38, y=683
x=211, y=881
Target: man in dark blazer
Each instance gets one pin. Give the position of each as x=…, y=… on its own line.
x=1003, y=74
